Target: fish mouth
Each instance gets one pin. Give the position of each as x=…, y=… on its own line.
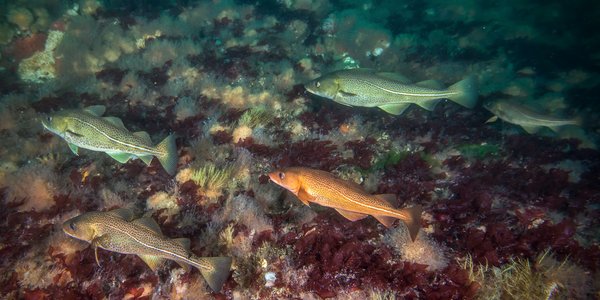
x=273, y=176
x=307, y=89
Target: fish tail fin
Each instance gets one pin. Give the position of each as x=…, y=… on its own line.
x=466, y=90
x=215, y=270
x=413, y=222
x=169, y=157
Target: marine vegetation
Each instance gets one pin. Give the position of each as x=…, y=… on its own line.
x=544, y=277
x=232, y=87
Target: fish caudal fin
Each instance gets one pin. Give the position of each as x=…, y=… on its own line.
x=466, y=90
x=414, y=221
x=217, y=272
x=169, y=157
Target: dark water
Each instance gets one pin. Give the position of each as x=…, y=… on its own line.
x=507, y=214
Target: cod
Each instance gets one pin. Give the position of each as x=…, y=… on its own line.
x=389, y=91
x=116, y=231
x=86, y=128
x=525, y=117
x=346, y=197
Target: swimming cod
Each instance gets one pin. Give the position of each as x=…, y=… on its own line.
x=525, y=117
x=117, y=231
x=347, y=197
x=86, y=128
x=389, y=91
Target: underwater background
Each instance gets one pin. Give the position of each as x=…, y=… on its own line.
x=508, y=214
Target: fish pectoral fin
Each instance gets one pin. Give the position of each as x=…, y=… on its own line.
x=385, y=220
x=120, y=157
x=305, y=197
x=350, y=215
x=147, y=159
x=431, y=84
x=149, y=223
x=395, y=109
x=492, y=119
x=152, y=261
x=346, y=94
x=556, y=129
x=96, y=110
x=144, y=136
x=74, y=148
x=183, y=242
x=429, y=104
x=123, y=213
x=115, y=121
x=531, y=129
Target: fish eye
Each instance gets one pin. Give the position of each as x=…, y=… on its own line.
x=317, y=84
x=49, y=118
x=281, y=175
x=72, y=225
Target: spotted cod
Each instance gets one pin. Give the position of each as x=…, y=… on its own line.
x=86, y=128
x=529, y=119
x=389, y=91
x=346, y=197
x=117, y=231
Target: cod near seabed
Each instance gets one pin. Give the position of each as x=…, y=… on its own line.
x=346, y=197
x=117, y=231
x=391, y=92
x=529, y=119
x=86, y=128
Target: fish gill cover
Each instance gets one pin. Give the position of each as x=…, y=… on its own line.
x=511, y=208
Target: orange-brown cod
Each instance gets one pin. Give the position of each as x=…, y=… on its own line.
x=347, y=197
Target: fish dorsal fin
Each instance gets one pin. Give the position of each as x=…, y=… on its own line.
x=428, y=104
x=115, y=121
x=122, y=213
x=152, y=261
x=305, y=197
x=431, y=84
x=386, y=221
x=531, y=129
x=353, y=185
x=96, y=110
x=492, y=119
x=395, y=109
x=394, y=76
x=387, y=198
x=352, y=216
x=120, y=157
x=144, y=136
x=147, y=159
x=149, y=223
x=183, y=242
x=74, y=148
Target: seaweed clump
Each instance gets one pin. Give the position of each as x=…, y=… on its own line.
x=543, y=278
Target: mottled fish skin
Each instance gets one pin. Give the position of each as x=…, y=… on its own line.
x=116, y=231
x=87, y=129
x=390, y=92
x=347, y=197
x=525, y=117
